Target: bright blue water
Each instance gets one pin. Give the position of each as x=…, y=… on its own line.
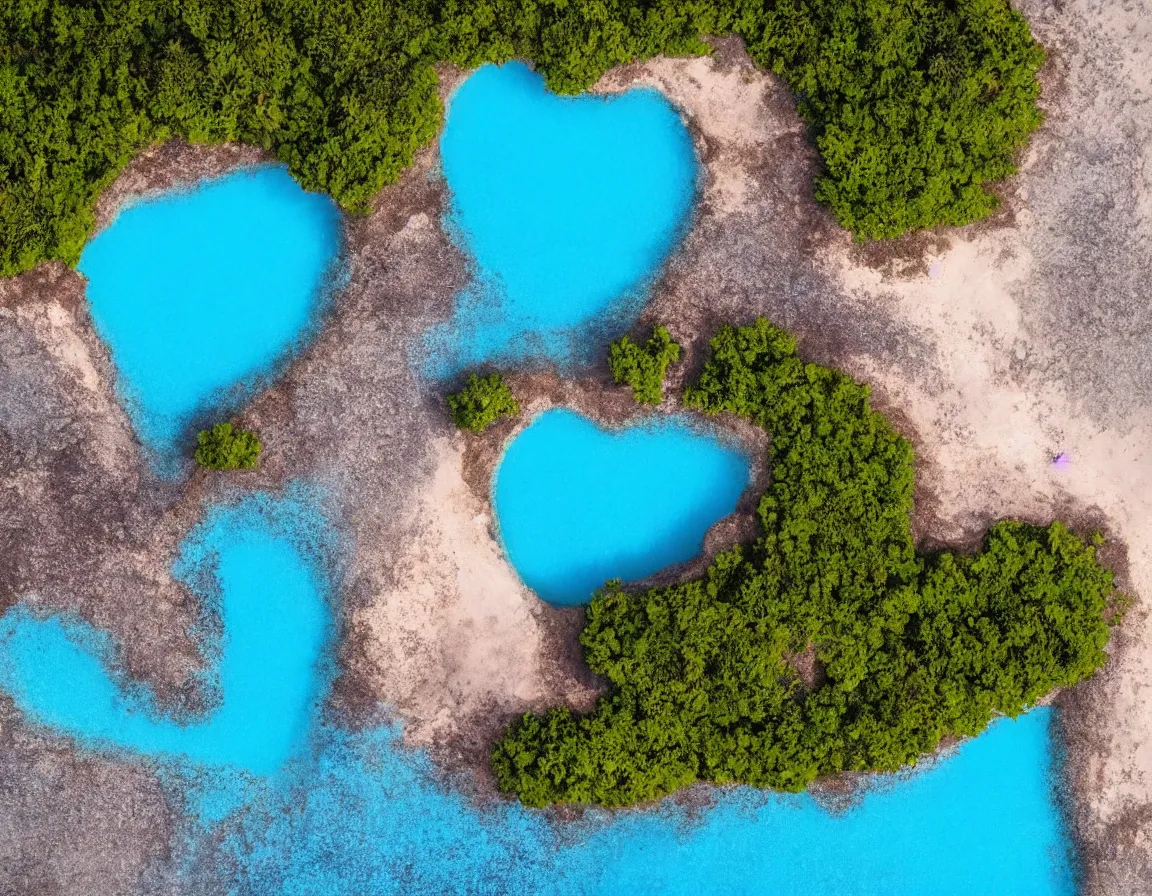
x=578, y=504
x=259, y=588
x=199, y=293
x=300, y=806
x=351, y=813
x=378, y=821
x=568, y=205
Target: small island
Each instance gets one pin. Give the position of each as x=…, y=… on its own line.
x=224, y=448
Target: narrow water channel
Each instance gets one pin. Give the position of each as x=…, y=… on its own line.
x=265, y=629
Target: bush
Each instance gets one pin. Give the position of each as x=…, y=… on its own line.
x=225, y=448
x=482, y=402
x=643, y=367
x=913, y=649
x=915, y=106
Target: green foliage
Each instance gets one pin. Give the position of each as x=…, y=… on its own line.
x=225, y=448
x=482, y=401
x=915, y=105
x=643, y=367
x=913, y=649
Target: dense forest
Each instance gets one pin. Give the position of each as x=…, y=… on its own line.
x=900, y=651
x=914, y=105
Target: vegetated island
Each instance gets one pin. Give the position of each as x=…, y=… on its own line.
x=643, y=367
x=909, y=649
x=225, y=448
x=482, y=401
x=915, y=108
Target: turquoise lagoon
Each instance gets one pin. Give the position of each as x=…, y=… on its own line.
x=578, y=504
x=325, y=810
x=266, y=624
x=199, y=294
x=567, y=206
x=379, y=821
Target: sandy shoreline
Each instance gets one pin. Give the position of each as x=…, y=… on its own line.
x=992, y=348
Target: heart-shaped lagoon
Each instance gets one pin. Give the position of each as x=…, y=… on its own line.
x=275, y=624
x=199, y=292
x=579, y=505
x=568, y=205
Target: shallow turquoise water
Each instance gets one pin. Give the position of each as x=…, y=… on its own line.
x=567, y=205
x=264, y=597
x=320, y=809
x=378, y=821
x=578, y=505
x=343, y=813
x=199, y=293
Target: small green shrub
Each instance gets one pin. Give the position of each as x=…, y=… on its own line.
x=643, y=367
x=482, y=401
x=225, y=448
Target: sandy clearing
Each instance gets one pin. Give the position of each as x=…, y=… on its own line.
x=455, y=633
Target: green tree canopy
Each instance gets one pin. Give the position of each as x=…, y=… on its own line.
x=482, y=401
x=224, y=448
x=912, y=648
x=915, y=105
x=643, y=367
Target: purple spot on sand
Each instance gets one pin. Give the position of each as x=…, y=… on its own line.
x=1062, y=461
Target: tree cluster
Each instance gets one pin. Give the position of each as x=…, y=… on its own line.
x=703, y=678
x=224, y=448
x=915, y=105
x=482, y=401
x=643, y=366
